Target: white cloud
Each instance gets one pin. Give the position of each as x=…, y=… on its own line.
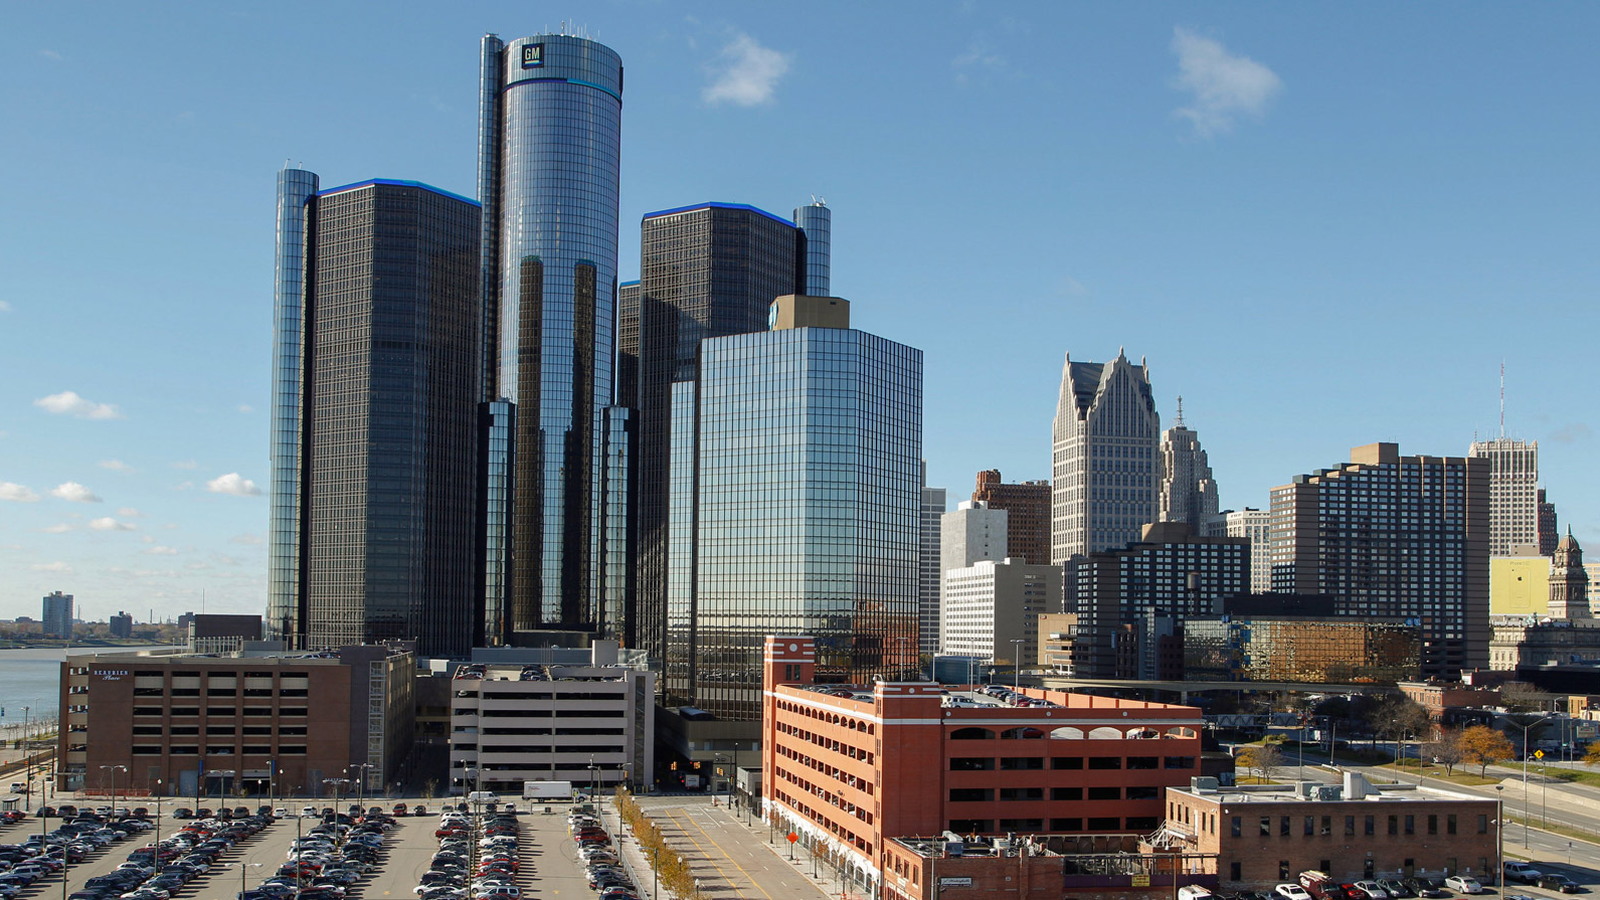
x=233, y=483
x=128, y=512
x=16, y=493
x=749, y=73
x=74, y=492
x=4, y=306
x=163, y=551
x=69, y=403
x=186, y=464
x=245, y=407
x=115, y=465
x=250, y=540
x=106, y=523
x=60, y=567
x=1224, y=86
x=60, y=528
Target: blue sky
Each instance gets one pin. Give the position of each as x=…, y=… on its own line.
x=1323, y=225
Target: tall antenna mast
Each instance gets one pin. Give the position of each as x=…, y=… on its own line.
x=1502, y=399
x=1180, y=411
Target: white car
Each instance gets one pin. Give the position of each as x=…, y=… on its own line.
x=1463, y=884
x=310, y=812
x=280, y=813
x=1372, y=890
x=1291, y=892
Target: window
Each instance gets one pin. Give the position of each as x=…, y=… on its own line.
x=1266, y=826
x=1283, y=870
x=971, y=763
x=1066, y=793
x=1067, y=762
x=1015, y=763
x=1235, y=872
x=1105, y=762
x=1023, y=793
x=1148, y=792
x=1105, y=823
x=1105, y=793
x=1066, y=824
x=1327, y=825
x=1394, y=827
x=970, y=795
x=1483, y=824
x=1349, y=827
x=1411, y=824
x=1283, y=826
x=1371, y=826
x=1236, y=830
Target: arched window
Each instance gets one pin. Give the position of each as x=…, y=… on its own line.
x=1024, y=733
x=1067, y=733
x=972, y=734
x=1105, y=733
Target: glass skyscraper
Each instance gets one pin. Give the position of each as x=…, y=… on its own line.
x=706, y=271
x=374, y=439
x=796, y=491
x=550, y=112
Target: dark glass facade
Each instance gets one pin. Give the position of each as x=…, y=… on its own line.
x=550, y=116
x=385, y=495
x=705, y=271
x=1300, y=649
x=285, y=601
x=796, y=510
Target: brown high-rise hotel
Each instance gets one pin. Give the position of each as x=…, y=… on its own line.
x=1027, y=507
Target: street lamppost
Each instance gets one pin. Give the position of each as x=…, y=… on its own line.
x=242, y=867
x=113, y=776
x=594, y=782
x=1016, y=659
x=1500, y=832
x=158, y=810
x=361, y=781
x=1525, y=729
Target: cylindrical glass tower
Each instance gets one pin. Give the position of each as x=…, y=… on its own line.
x=816, y=228
x=552, y=155
x=296, y=187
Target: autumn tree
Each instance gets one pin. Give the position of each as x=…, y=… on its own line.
x=1591, y=757
x=1446, y=749
x=1482, y=746
x=1265, y=759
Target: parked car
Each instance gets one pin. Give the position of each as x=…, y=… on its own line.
x=1555, y=881
x=1429, y=888
x=1291, y=892
x=1522, y=872
x=1372, y=890
x=1463, y=884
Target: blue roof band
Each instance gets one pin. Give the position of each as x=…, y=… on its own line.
x=395, y=181
x=599, y=87
x=715, y=205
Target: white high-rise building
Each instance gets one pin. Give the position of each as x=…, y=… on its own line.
x=1188, y=492
x=1105, y=472
x=929, y=581
x=1254, y=524
x=969, y=533
x=992, y=609
x=1513, y=493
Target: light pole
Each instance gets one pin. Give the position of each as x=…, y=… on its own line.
x=1016, y=659
x=361, y=781
x=594, y=782
x=1500, y=832
x=158, y=810
x=27, y=790
x=113, y=776
x=1525, y=730
x=242, y=867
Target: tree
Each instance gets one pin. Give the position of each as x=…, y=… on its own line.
x=1482, y=746
x=1520, y=696
x=1264, y=758
x=1446, y=750
x=1395, y=717
x=1591, y=757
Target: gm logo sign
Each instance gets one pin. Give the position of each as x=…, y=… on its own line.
x=532, y=56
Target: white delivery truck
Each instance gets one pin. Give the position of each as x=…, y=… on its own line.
x=546, y=791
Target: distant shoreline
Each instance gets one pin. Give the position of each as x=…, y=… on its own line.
x=59, y=653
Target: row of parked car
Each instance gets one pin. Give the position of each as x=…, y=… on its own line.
x=606, y=873
x=160, y=870
x=487, y=871
x=43, y=855
x=1525, y=873
x=325, y=862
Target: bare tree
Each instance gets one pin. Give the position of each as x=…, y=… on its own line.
x=1265, y=759
x=1446, y=750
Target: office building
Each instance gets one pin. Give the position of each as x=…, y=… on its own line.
x=1513, y=493
x=120, y=625
x=549, y=142
x=1027, y=506
x=1106, y=472
x=849, y=767
x=1263, y=835
x=1288, y=638
x=1389, y=537
x=1254, y=525
x=590, y=723
x=1131, y=601
x=216, y=633
x=376, y=431
x=229, y=726
x=992, y=609
x=1188, y=492
x=929, y=578
x=708, y=270
x=970, y=532
x=796, y=504
x=1549, y=532
x=57, y=614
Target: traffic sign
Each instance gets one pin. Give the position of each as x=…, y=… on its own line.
x=793, y=837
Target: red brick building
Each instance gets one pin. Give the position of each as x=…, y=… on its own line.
x=847, y=767
x=1264, y=835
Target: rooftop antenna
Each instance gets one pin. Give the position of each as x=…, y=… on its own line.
x=1180, y=411
x=1502, y=399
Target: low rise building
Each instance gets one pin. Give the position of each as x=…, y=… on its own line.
x=1039, y=867
x=1288, y=637
x=849, y=768
x=590, y=723
x=280, y=724
x=1266, y=834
